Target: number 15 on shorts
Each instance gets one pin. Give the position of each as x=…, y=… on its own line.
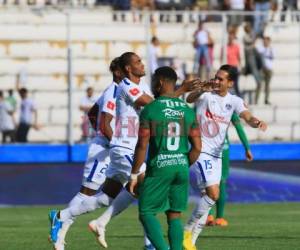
x=207, y=164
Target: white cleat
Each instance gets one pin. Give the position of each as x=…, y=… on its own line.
x=99, y=232
x=59, y=245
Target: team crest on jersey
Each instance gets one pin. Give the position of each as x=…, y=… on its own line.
x=134, y=91
x=110, y=105
x=228, y=106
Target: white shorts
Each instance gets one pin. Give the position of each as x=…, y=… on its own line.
x=205, y=172
x=95, y=165
x=120, y=166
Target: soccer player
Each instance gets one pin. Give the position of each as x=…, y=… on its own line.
x=130, y=99
x=215, y=110
x=220, y=204
x=102, y=119
x=167, y=125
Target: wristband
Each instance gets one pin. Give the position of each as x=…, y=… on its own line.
x=133, y=177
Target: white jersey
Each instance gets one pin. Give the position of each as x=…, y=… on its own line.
x=107, y=104
x=214, y=113
x=127, y=114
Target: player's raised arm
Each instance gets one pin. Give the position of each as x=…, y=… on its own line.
x=253, y=121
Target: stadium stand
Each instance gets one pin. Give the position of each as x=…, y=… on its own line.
x=37, y=41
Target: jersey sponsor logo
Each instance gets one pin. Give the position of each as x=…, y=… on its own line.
x=134, y=91
x=171, y=113
x=228, y=106
x=110, y=105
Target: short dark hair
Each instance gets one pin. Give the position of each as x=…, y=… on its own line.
x=154, y=38
x=167, y=73
x=23, y=91
x=125, y=60
x=231, y=71
x=114, y=65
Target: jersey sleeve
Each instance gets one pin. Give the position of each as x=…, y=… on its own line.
x=133, y=91
x=239, y=106
x=109, y=103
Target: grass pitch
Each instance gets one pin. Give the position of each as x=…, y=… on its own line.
x=251, y=226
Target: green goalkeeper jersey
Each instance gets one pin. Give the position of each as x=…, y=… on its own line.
x=169, y=120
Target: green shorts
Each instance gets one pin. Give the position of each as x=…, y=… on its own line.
x=166, y=192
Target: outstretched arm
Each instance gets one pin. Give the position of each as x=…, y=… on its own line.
x=253, y=121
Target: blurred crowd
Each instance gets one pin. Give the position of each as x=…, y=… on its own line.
x=165, y=5
x=17, y=115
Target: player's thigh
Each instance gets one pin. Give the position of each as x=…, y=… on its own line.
x=120, y=165
x=111, y=187
x=95, y=166
x=205, y=172
x=179, y=191
x=153, y=194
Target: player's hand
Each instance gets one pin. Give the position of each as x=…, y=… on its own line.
x=249, y=156
x=262, y=126
x=190, y=85
x=132, y=187
x=206, y=86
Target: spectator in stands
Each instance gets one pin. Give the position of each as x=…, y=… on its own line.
x=11, y=99
x=201, y=42
x=249, y=7
x=253, y=62
x=236, y=6
x=233, y=58
x=292, y=5
x=141, y=5
x=267, y=54
x=153, y=53
x=120, y=5
x=28, y=116
x=260, y=21
x=86, y=103
x=7, y=126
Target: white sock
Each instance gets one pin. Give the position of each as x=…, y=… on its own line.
x=88, y=204
x=203, y=206
x=199, y=227
x=146, y=239
x=120, y=203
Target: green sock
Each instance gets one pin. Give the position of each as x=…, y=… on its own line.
x=154, y=231
x=211, y=211
x=222, y=200
x=175, y=234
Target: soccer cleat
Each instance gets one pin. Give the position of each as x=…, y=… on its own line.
x=55, y=226
x=149, y=247
x=210, y=220
x=59, y=245
x=221, y=222
x=99, y=232
x=187, y=241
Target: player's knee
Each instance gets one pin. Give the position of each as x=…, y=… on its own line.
x=214, y=195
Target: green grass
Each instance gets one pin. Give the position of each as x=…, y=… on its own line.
x=251, y=226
